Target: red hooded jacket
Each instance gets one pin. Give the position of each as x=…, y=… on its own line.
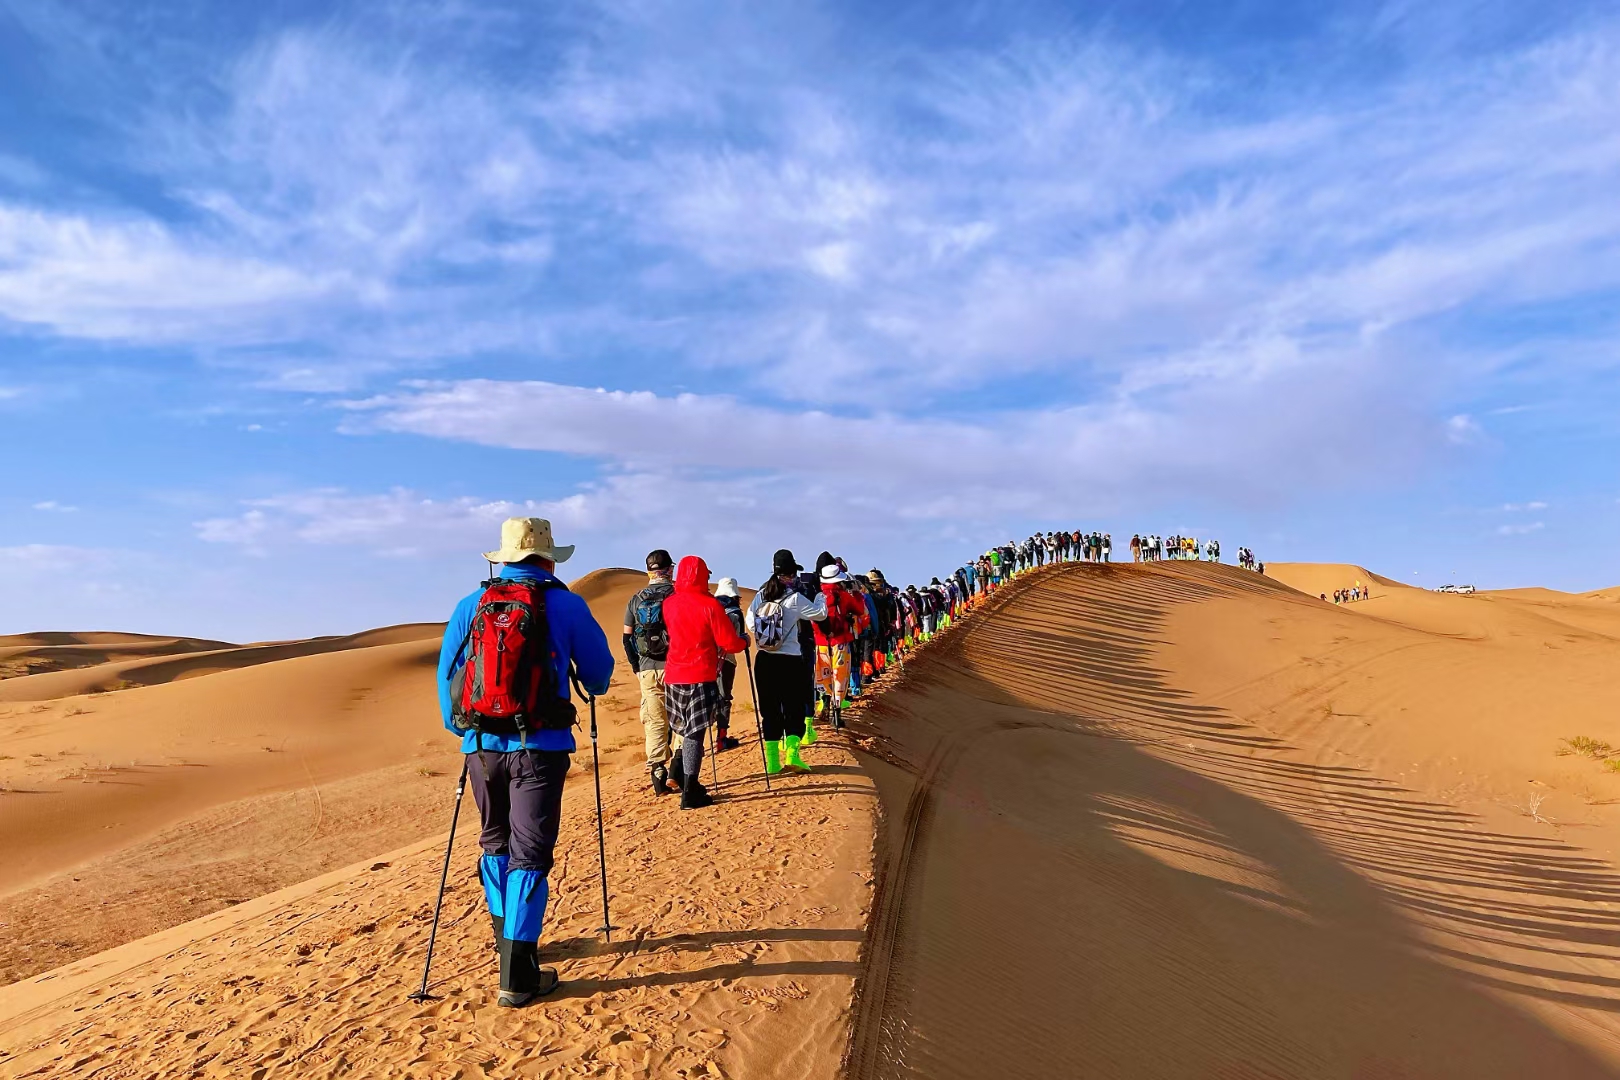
x=699, y=629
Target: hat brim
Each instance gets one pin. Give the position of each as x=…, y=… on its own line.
x=557, y=554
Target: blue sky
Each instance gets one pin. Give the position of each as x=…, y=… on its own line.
x=297, y=301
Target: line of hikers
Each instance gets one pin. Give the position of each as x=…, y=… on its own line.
x=821, y=637
x=513, y=646
x=1154, y=548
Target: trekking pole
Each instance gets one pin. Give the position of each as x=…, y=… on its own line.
x=759, y=722
x=444, y=878
x=601, y=836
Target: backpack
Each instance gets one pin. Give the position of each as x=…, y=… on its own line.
x=770, y=625
x=647, y=609
x=837, y=623
x=508, y=685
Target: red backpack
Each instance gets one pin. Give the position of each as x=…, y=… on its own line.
x=508, y=685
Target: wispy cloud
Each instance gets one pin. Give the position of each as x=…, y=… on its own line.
x=1520, y=530
x=51, y=506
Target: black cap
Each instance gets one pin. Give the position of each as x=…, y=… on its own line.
x=824, y=560
x=659, y=560
x=783, y=563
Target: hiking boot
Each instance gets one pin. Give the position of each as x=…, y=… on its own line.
x=791, y=759
x=522, y=978
x=660, y=780
x=546, y=982
x=677, y=772
x=729, y=743
x=694, y=796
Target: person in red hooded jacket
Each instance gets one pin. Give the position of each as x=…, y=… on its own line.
x=700, y=633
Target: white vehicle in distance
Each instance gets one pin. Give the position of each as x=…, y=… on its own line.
x=1460, y=590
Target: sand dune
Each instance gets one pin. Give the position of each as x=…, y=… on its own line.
x=28, y=654
x=1313, y=579
x=1177, y=820
x=149, y=666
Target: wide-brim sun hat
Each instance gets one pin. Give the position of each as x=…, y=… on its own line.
x=832, y=572
x=523, y=537
x=727, y=586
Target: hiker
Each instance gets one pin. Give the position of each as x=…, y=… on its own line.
x=700, y=633
x=774, y=619
x=519, y=725
x=888, y=619
x=646, y=647
x=846, y=618
x=730, y=598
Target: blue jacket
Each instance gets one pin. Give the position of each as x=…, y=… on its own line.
x=575, y=638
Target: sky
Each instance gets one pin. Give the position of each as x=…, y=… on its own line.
x=298, y=301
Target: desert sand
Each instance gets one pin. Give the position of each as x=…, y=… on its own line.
x=1175, y=820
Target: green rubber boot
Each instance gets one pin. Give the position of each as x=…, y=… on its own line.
x=809, y=732
x=793, y=760
x=773, y=758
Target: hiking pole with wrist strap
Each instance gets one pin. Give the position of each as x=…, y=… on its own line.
x=601, y=836
x=759, y=722
x=444, y=877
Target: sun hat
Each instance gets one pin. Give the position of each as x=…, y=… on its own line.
x=727, y=587
x=522, y=537
x=831, y=572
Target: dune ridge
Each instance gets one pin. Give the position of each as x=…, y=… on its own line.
x=1151, y=816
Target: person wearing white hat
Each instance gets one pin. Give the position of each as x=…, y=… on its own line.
x=510, y=707
x=846, y=619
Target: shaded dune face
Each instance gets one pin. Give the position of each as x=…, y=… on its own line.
x=1088, y=869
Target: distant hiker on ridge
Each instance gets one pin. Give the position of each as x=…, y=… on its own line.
x=503, y=687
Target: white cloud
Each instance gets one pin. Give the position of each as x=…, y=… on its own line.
x=135, y=279
x=1520, y=530
x=1515, y=508
x=28, y=560
x=1462, y=430
x=54, y=507
x=1207, y=444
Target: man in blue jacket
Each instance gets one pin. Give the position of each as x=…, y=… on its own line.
x=518, y=784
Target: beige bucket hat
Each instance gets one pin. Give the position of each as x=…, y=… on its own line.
x=525, y=536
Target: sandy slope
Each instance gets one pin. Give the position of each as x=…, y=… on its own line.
x=1184, y=821
x=736, y=953
x=216, y=774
